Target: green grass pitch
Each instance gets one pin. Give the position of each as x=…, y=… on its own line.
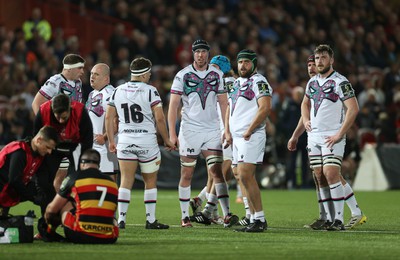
x=286, y=211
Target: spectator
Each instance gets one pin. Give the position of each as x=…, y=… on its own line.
x=289, y=119
x=6, y=83
x=117, y=40
x=37, y=23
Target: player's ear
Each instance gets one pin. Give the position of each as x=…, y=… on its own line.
x=38, y=140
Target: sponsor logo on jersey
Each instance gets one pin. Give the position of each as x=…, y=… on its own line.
x=97, y=228
x=263, y=88
x=347, y=89
x=132, y=145
x=135, y=131
x=137, y=152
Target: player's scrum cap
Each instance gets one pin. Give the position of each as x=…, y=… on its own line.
x=311, y=58
x=200, y=44
x=223, y=63
x=248, y=55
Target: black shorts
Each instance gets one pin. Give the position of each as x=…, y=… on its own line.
x=80, y=238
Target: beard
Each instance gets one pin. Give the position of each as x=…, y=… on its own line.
x=324, y=70
x=245, y=74
x=201, y=64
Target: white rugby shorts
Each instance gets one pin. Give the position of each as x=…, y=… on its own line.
x=316, y=146
x=251, y=151
x=192, y=143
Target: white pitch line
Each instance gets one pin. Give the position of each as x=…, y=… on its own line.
x=170, y=197
x=286, y=229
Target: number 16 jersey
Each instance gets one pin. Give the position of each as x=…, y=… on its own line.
x=133, y=102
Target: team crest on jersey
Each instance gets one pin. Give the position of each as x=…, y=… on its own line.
x=319, y=93
x=347, y=89
x=241, y=91
x=228, y=85
x=74, y=93
x=263, y=87
x=95, y=104
x=203, y=87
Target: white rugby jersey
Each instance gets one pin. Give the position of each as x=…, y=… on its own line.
x=243, y=102
x=228, y=83
x=133, y=101
x=199, y=90
x=327, y=96
x=96, y=106
x=59, y=84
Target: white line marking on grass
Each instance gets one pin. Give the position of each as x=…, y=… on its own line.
x=170, y=197
x=345, y=231
x=178, y=226
x=198, y=226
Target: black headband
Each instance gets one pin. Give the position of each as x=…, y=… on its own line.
x=90, y=161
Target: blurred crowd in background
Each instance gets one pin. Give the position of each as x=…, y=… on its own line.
x=365, y=36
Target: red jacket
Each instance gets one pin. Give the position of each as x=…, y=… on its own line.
x=70, y=131
x=8, y=195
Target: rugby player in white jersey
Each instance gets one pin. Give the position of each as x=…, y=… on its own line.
x=96, y=106
x=199, y=86
x=69, y=83
x=328, y=110
x=249, y=106
x=222, y=63
x=138, y=107
x=321, y=185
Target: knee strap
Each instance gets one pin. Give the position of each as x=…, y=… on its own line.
x=213, y=159
x=315, y=162
x=332, y=161
x=189, y=164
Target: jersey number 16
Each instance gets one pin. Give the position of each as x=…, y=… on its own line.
x=135, y=113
